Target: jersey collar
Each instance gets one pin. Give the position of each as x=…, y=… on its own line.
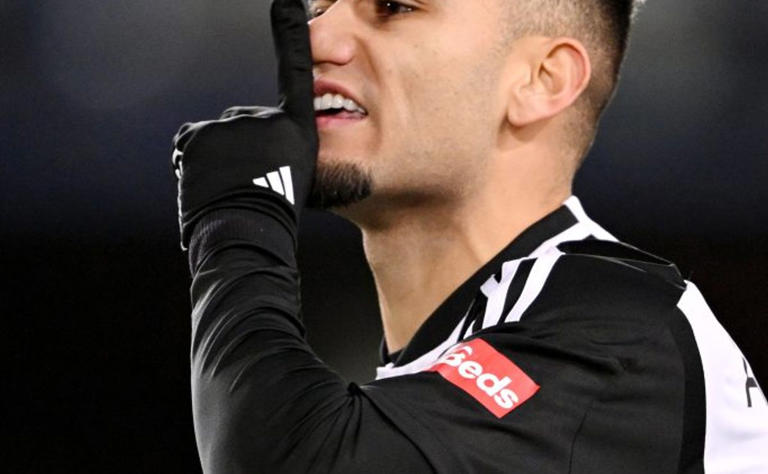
x=568, y=222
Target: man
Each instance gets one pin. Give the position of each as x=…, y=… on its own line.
x=521, y=336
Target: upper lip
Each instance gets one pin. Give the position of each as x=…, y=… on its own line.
x=324, y=86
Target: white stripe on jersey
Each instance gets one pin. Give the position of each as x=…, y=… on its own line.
x=736, y=434
x=533, y=286
x=489, y=287
x=574, y=205
x=497, y=298
x=546, y=254
x=423, y=362
x=579, y=231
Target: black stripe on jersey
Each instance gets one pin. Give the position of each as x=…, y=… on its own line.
x=694, y=416
x=516, y=287
x=476, y=311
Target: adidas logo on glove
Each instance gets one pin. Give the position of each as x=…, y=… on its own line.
x=279, y=182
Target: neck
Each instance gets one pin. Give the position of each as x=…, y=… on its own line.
x=425, y=253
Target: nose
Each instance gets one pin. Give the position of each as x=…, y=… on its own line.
x=331, y=35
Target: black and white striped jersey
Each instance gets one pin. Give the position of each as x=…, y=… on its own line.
x=569, y=352
x=567, y=278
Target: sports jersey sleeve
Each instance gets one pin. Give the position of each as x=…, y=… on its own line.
x=589, y=412
x=619, y=381
x=579, y=396
x=262, y=400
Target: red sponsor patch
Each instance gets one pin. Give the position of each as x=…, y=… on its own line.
x=483, y=372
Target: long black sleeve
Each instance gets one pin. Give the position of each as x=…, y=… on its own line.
x=263, y=402
x=601, y=375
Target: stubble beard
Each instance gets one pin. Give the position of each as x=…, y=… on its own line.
x=338, y=185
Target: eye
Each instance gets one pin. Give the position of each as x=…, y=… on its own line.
x=384, y=8
x=317, y=8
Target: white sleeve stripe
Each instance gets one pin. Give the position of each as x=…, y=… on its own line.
x=423, y=362
x=578, y=231
x=736, y=433
x=496, y=300
x=575, y=207
x=489, y=287
x=533, y=286
x=546, y=256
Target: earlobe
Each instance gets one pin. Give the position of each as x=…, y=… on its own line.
x=559, y=75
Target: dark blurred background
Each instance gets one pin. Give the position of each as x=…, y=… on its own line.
x=94, y=296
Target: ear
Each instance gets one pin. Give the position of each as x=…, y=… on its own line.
x=559, y=70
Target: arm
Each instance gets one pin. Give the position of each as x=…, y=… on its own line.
x=262, y=400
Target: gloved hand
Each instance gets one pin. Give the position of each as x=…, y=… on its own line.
x=256, y=156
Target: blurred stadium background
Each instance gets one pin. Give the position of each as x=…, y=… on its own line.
x=94, y=300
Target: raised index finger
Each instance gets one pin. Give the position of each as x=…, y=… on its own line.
x=294, y=58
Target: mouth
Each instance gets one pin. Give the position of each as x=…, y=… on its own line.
x=335, y=107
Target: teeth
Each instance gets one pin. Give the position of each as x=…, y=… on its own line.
x=337, y=101
x=327, y=102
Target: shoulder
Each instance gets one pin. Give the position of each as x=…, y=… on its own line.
x=591, y=274
x=586, y=284
x=611, y=277
x=608, y=256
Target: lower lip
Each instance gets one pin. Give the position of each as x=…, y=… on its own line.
x=338, y=120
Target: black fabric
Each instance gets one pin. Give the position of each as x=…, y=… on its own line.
x=262, y=401
x=217, y=161
x=385, y=357
x=441, y=322
x=475, y=312
x=635, y=423
x=615, y=396
x=516, y=287
x=694, y=413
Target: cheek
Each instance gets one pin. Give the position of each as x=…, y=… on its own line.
x=449, y=109
x=437, y=106
x=445, y=87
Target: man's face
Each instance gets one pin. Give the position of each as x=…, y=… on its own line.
x=426, y=72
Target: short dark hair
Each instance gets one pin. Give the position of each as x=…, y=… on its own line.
x=603, y=26
x=612, y=26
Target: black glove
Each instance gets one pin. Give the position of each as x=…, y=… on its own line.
x=255, y=157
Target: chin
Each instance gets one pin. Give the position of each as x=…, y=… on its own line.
x=339, y=184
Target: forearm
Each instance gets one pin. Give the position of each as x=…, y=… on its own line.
x=263, y=402
x=257, y=387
